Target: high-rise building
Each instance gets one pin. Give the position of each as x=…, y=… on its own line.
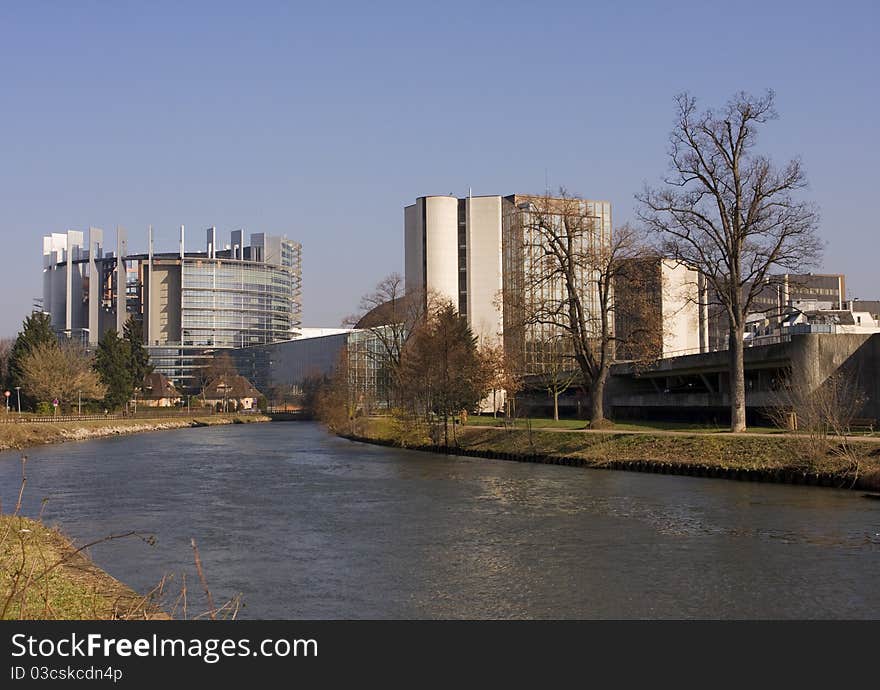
x=453, y=251
x=472, y=251
x=190, y=303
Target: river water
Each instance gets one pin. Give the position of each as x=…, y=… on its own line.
x=303, y=524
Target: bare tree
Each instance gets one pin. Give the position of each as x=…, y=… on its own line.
x=822, y=418
x=566, y=288
x=730, y=213
x=60, y=370
x=335, y=403
x=501, y=375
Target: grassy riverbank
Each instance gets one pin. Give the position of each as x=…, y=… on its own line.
x=36, y=434
x=44, y=577
x=853, y=462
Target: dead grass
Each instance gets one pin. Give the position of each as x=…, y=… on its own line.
x=722, y=451
x=44, y=577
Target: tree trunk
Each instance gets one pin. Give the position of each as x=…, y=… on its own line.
x=737, y=380
x=556, y=405
x=597, y=398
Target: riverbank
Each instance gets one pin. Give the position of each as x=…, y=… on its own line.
x=44, y=577
x=16, y=436
x=772, y=458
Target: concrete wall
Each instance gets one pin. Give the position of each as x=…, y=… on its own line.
x=414, y=275
x=162, y=315
x=811, y=358
x=441, y=245
x=680, y=308
x=484, y=263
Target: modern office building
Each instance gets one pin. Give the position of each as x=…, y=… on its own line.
x=190, y=303
x=453, y=251
x=473, y=251
x=658, y=310
x=281, y=370
x=537, y=347
x=777, y=295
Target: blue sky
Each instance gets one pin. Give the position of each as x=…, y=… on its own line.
x=321, y=121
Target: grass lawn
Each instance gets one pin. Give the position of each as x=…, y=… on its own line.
x=542, y=423
x=574, y=424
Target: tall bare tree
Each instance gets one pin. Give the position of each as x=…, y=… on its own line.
x=728, y=211
x=391, y=316
x=570, y=265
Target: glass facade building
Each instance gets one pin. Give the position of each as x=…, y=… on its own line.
x=191, y=304
x=228, y=303
x=533, y=284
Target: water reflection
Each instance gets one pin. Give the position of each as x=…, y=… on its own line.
x=307, y=525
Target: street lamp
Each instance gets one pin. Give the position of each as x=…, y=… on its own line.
x=18, y=393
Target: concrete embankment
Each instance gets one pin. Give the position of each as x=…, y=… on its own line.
x=741, y=458
x=14, y=436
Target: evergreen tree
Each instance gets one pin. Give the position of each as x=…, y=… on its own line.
x=139, y=358
x=442, y=371
x=113, y=364
x=36, y=329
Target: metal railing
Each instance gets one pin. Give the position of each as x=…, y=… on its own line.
x=756, y=341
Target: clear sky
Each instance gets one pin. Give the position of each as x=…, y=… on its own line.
x=321, y=121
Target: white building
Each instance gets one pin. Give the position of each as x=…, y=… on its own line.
x=453, y=250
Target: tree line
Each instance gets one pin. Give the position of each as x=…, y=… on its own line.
x=433, y=371
x=725, y=210
x=48, y=369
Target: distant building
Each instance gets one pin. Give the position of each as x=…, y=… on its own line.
x=231, y=393
x=779, y=292
x=191, y=303
x=471, y=251
x=810, y=316
x=283, y=369
x=660, y=310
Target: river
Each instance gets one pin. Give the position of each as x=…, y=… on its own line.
x=303, y=524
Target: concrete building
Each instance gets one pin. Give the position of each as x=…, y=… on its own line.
x=472, y=252
x=779, y=292
x=191, y=303
x=280, y=370
x=696, y=386
x=659, y=311
x=453, y=250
